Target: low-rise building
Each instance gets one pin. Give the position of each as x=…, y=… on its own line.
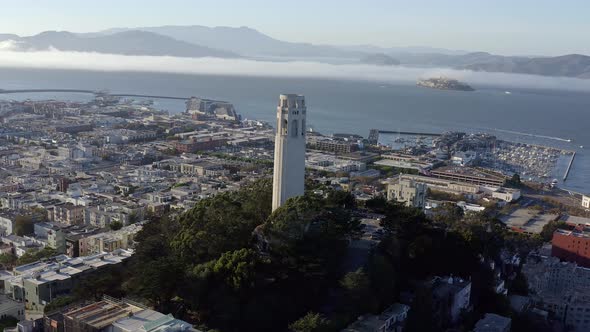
x=112, y=315
x=11, y=308
x=7, y=221
x=41, y=282
x=586, y=202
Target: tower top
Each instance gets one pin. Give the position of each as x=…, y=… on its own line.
x=291, y=100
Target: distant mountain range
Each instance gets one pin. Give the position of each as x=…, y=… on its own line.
x=133, y=42
x=230, y=42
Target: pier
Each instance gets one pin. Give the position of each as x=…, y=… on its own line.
x=407, y=133
x=2, y=91
x=569, y=166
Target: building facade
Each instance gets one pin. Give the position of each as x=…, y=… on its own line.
x=289, y=158
x=409, y=192
x=572, y=246
x=586, y=202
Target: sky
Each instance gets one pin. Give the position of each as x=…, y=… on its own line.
x=509, y=27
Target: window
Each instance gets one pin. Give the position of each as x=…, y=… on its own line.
x=294, y=129
x=302, y=127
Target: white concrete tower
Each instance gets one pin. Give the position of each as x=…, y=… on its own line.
x=289, y=165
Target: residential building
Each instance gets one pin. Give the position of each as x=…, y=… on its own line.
x=205, y=144
x=391, y=319
x=289, y=158
x=40, y=282
x=203, y=168
x=586, y=202
x=7, y=222
x=109, y=241
x=557, y=286
x=577, y=317
x=409, y=192
x=11, y=308
x=493, y=323
x=450, y=298
x=66, y=213
x=336, y=146
x=572, y=246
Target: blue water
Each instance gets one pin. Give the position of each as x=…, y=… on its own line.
x=357, y=106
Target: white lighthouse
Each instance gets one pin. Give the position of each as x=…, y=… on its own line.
x=289, y=165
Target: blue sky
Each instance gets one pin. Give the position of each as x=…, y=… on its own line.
x=543, y=27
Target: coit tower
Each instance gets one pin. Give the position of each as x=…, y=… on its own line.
x=289, y=165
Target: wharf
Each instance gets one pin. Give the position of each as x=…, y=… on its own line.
x=569, y=166
x=407, y=133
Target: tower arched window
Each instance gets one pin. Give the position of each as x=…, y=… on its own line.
x=285, y=126
x=294, y=129
x=303, y=127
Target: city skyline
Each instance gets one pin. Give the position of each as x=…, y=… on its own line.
x=500, y=27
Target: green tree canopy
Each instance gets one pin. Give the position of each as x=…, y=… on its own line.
x=311, y=322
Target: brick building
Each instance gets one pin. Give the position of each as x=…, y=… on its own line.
x=572, y=246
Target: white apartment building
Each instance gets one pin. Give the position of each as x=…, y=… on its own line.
x=409, y=192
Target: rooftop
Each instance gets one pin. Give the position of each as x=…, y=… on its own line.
x=493, y=323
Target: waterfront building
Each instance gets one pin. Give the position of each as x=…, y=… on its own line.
x=586, y=202
x=409, y=192
x=289, y=158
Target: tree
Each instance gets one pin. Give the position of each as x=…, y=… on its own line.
x=311, y=322
x=115, y=225
x=33, y=256
x=514, y=181
x=23, y=225
x=222, y=223
x=358, y=291
x=550, y=228
x=58, y=303
x=420, y=317
x=7, y=260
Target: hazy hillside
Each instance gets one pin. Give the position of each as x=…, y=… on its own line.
x=201, y=41
x=244, y=41
x=379, y=59
x=573, y=65
x=127, y=43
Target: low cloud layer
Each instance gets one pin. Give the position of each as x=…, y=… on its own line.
x=54, y=59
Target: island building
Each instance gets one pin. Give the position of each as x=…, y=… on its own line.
x=586, y=201
x=289, y=158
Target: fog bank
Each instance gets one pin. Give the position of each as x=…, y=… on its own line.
x=54, y=59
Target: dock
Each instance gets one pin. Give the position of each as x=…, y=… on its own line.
x=408, y=133
x=569, y=166
x=98, y=93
